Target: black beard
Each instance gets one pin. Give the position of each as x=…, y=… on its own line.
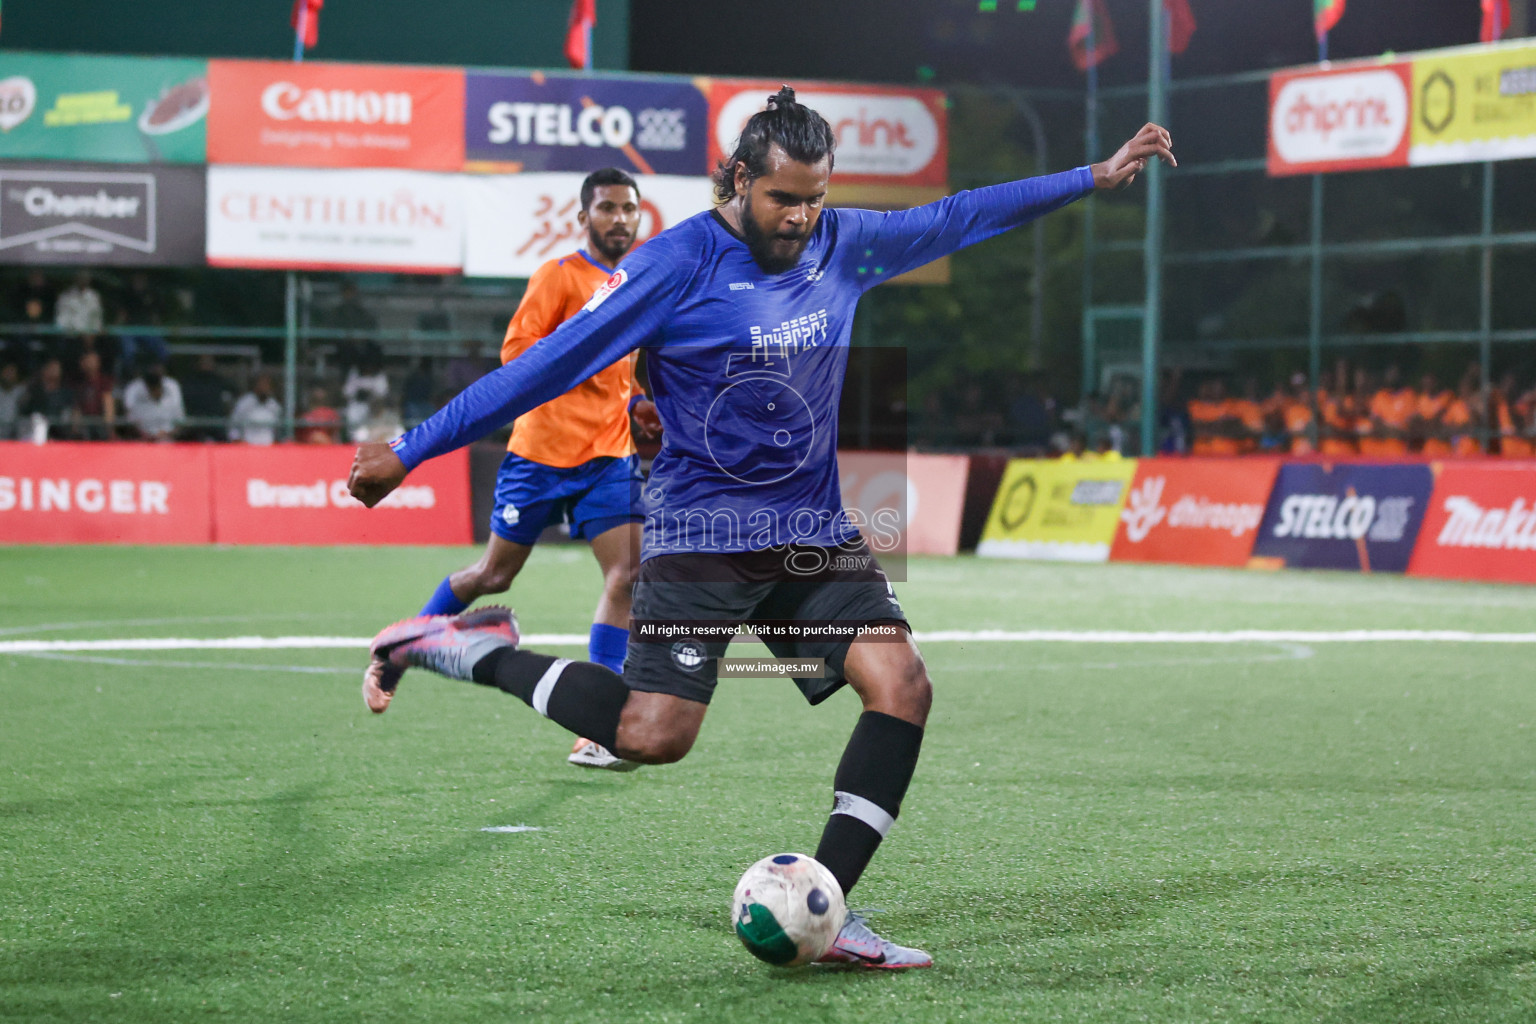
x=758, y=244
x=610, y=251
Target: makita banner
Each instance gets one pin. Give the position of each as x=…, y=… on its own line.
x=1363, y=517
x=101, y=215
x=335, y=115
x=885, y=134
x=297, y=494
x=1194, y=511
x=1345, y=119
x=521, y=221
x=62, y=493
x=1481, y=524
x=540, y=122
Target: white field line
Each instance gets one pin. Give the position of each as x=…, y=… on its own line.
x=1236, y=636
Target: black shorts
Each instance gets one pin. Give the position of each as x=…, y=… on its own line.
x=842, y=587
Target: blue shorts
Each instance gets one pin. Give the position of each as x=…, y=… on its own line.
x=593, y=497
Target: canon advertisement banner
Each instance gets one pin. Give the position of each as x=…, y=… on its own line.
x=101, y=215
x=335, y=115
x=1346, y=119
x=904, y=502
x=400, y=221
x=884, y=134
x=1194, y=511
x=297, y=494
x=539, y=122
x=1481, y=524
x=104, y=494
x=1359, y=517
x=523, y=220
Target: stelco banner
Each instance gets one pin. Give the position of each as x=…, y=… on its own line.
x=335, y=115
x=104, y=494
x=523, y=220
x=1339, y=120
x=115, y=109
x=402, y=221
x=1194, y=511
x=1061, y=511
x=1481, y=524
x=297, y=494
x=1358, y=517
x=884, y=134
x=539, y=122
x=101, y=215
x=1473, y=104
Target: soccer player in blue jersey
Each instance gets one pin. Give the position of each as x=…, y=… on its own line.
x=745, y=314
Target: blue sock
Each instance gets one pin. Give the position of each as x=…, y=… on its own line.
x=606, y=646
x=444, y=601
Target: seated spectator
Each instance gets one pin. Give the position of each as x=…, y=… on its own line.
x=95, y=403
x=152, y=403
x=1339, y=417
x=1296, y=414
x=141, y=307
x=1391, y=414
x=383, y=422
x=1426, y=428
x=13, y=394
x=1508, y=419
x=416, y=393
x=322, y=423
x=206, y=395
x=50, y=404
x=1245, y=418
x=1214, y=422
x=78, y=309
x=34, y=300
x=365, y=383
x=257, y=415
x=1461, y=419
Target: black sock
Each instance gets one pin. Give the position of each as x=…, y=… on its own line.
x=583, y=697
x=871, y=779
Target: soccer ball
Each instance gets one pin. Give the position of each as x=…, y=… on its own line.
x=788, y=909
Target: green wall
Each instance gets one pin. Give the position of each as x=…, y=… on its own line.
x=515, y=33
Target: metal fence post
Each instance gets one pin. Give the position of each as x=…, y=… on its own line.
x=1157, y=113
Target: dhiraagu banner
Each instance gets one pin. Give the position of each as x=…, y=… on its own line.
x=1057, y=510
x=107, y=109
x=1473, y=104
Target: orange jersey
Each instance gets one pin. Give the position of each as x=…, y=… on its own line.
x=1250, y=415
x=1395, y=411
x=1205, y=419
x=1298, y=421
x=591, y=420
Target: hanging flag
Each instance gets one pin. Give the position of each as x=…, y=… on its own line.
x=578, y=36
x=1495, y=20
x=1092, y=16
x=1325, y=15
x=1181, y=24
x=308, y=12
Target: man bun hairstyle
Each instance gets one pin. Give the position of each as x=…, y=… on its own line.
x=803, y=135
x=606, y=176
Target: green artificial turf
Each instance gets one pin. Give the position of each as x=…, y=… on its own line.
x=1172, y=833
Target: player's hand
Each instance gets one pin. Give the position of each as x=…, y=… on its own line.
x=1153, y=141
x=376, y=470
x=647, y=420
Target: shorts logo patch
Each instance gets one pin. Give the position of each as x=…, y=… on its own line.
x=688, y=655
x=609, y=287
x=510, y=515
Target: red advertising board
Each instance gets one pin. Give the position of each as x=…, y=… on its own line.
x=885, y=135
x=104, y=494
x=297, y=494
x=1481, y=524
x=919, y=497
x=335, y=115
x=1194, y=511
x=1340, y=119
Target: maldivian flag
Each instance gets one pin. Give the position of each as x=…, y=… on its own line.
x=1091, y=13
x=311, y=20
x=1326, y=14
x=1181, y=24
x=578, y=34
x=1495, y=20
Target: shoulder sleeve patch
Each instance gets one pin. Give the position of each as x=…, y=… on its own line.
x=608, y=288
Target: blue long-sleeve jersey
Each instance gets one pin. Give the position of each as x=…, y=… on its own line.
x=746, y=367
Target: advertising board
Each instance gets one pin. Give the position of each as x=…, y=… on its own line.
x=1194, y=511
x=923, y=495
x=1057, y=510
x=1363, y=517
x=1473, y=104
x=102, y=215
x=64, y=493
x=1340, y=119
x=1481, y=524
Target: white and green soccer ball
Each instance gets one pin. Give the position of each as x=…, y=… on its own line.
x=788, y=909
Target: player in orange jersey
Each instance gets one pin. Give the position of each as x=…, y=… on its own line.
x=1391, y=412
x=571, y=460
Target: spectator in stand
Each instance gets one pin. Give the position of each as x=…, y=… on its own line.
x=78, y=314
x=322, y=423
x=141, y=307
x=206, y=395
x=1505, y=419
x=1217, y=428
x=417, y=393
x=350, y=314
x=1246, y=416
x=35, y=302
x=365, y=382
x=1340, y=419
x=383, y=422
x=1520, y=442
x=13, y=395
x=1296, y=414
x=257, y=415
x=50, y=404
x=1459, y=422
x=1427, y=431
x=95, y=403
x=152, y=403
x=1391, y=410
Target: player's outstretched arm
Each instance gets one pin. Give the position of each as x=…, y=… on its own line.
x=1152, y=142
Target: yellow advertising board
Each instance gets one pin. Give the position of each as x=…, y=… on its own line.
x=1057, y=510
x=1473, y=104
